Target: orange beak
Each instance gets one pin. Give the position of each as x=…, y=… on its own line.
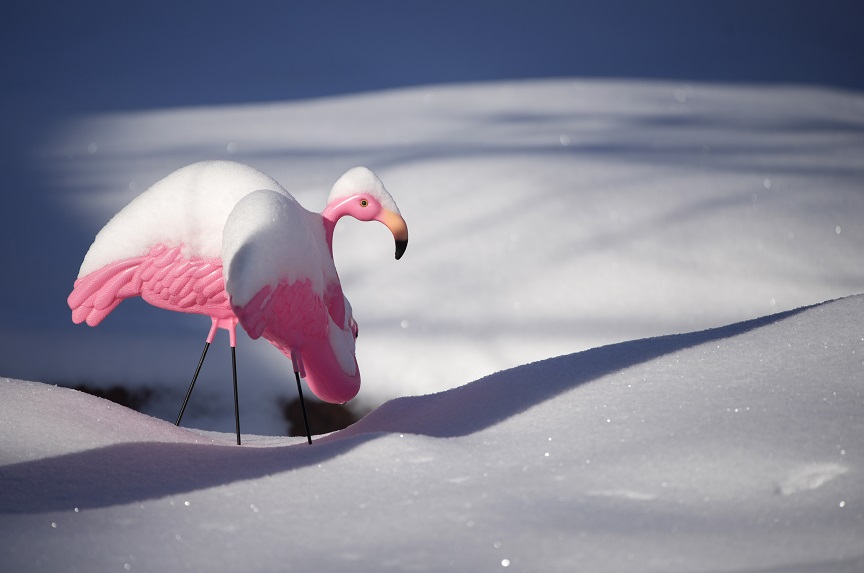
x=397, y=226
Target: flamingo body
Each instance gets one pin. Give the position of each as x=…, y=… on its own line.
x=224, y=240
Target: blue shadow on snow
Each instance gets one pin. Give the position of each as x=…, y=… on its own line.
x=134, y=472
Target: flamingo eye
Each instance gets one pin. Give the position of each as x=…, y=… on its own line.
x=364, y=203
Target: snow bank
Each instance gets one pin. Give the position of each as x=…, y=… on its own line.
x=737, y=448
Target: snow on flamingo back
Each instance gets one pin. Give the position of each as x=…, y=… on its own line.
x=187, y=208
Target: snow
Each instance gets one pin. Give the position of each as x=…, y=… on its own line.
x=683, y=167
x=187, y=207
x=267, y=238
x=737, y=448
x=361, y=180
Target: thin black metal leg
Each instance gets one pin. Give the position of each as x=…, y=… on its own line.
x=236, y=402
x=192, y=385
x=303, y=407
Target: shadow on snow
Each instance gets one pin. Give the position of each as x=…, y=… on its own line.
x=133, y=472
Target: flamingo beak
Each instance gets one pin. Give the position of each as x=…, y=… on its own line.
x=397, y=226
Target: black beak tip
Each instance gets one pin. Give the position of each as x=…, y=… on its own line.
x=400, y=248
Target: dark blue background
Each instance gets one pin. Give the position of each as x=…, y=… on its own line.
x=75, y=56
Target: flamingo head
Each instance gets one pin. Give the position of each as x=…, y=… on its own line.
x=360, y=194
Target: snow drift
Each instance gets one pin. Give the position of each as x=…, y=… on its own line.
x=736, y=448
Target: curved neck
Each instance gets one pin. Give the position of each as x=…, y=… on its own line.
x=330, y=215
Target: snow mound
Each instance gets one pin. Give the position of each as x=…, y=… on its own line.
x=41, y=421
x=658, y=454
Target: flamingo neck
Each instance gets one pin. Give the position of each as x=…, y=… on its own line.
x=330, y=216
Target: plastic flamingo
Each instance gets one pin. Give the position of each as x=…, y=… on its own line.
x=224, y=240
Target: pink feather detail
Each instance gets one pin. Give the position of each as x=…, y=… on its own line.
x=253, y=315
x=295, y=319
x=288, y=315
x=163, y=277
x=335, y=301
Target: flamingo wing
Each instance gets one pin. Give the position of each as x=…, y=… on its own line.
x=279, y=277
x=163, y=277
x=294, y=318
x=271, y=249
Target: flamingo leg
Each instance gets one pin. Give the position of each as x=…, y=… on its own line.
x=236, y=402
x=233, y=341
x=192, y=385
x=303, y=407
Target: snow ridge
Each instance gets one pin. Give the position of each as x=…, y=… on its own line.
x=667, y=450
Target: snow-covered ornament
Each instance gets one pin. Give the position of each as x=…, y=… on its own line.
x=224, y=240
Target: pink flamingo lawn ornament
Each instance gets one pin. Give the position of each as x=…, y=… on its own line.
x=222, y=239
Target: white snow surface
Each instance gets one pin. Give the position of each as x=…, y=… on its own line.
x=737, y=448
